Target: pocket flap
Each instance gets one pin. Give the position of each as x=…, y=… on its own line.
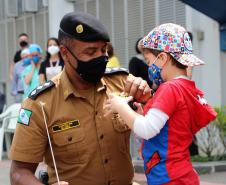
x=69, y=136
x=119, y=125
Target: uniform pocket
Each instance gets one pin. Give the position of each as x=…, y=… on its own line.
x=70, y=145
x=68, y=137
x=119, y=125
x=123, y=134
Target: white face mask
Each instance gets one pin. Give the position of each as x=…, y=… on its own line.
x=52, y=50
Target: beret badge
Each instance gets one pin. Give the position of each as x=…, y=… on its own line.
x=79, y=28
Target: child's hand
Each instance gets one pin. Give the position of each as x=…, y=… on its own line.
x=115, y=102
x=139, y=108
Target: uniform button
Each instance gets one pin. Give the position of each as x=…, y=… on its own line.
x=101, y=136
x=125, y=126
x=96, y=112
x=69, y=138
x=106, y=160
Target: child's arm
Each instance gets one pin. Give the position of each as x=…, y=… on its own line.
x=144, y=126
x=118, y=104
x=150, y=125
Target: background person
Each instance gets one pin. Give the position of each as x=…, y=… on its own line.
x=17, y=84
x=23, y=41
x=30, y=75
x=139, y=68
x=137, y=65
x=53, y=63
x=193, y=147
x=113, y=61
x=189, y=73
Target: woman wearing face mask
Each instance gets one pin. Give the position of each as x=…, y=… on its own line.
x=30, y=75
x=53, y=63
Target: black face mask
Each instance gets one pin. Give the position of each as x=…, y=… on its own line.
x=23, y=43
x=93, y=70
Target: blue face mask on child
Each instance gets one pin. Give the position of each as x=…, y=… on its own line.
x=26, y=61
x=154, y=73
x=35, y=59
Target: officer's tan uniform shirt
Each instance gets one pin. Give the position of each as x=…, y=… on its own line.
x=89, y=149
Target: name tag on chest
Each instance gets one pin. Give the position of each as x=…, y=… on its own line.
x=66, y=126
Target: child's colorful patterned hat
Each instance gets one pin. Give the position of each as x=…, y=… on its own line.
x=173, y=39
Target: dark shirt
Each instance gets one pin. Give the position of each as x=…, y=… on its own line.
x=17, y=56
x=46, y=64
x=139, y=68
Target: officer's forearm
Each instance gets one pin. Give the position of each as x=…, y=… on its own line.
x=23, y=174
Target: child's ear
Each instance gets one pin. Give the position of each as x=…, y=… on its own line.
x=164, y=58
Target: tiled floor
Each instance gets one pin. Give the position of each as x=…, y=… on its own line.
x=140, y=178
x=208, y=179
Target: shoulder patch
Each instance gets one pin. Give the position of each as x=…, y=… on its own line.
x=40, y=89
x=24, y=117
x=115, y=70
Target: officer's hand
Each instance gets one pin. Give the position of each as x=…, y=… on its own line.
x=61, y=183
x=138, y=88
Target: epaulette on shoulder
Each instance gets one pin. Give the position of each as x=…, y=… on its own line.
x=40, y=89
x=115, y=70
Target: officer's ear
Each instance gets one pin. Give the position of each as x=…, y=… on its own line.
x=64, y=52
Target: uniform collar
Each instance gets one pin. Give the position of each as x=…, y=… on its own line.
x=69, y=89
x=66, y=84
x=101, y=85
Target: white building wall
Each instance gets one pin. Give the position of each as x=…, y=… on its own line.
x=207, y=47
x=126, y=21
x=57, y=9
x=223, y=77
x=35, y=24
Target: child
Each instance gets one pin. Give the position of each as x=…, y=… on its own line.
x=174, y=114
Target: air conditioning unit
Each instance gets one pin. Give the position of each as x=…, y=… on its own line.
x=11, y=8
x=30, y=5
x=45, y=3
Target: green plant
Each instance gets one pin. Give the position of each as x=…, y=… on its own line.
x=211, y=140
x=198, y=158
x=221, y=123
x=208, y=139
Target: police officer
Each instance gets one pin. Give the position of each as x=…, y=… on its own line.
x=89, y=149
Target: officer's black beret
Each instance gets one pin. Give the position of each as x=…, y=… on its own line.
x=83, y=27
